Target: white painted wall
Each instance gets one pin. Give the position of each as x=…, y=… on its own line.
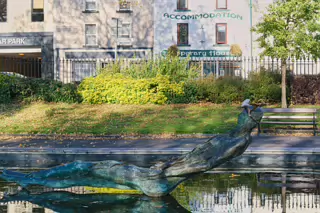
x=19, y=17
x=238, y=28
x=70, y=21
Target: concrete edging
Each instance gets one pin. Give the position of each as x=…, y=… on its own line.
x=144, y=151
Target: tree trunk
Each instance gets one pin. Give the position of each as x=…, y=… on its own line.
x=283, y=83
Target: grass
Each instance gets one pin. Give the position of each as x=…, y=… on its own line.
x=82, y=119
x=85, y=119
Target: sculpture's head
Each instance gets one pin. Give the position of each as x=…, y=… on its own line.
x=250, y=116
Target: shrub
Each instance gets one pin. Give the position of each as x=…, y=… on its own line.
x=48, y=90
x=264, y=86
x=120, y=89
x=229, y=90
x=305, y=89
x=36, y=90
x=235, y=50
x=221, y=90
x=175, y=68
x=173, y=51
x=6, y=88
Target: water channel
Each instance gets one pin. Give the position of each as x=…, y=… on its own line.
x=232, y=192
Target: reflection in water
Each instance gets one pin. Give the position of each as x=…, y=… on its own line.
x=241, y=193
x=68, y=202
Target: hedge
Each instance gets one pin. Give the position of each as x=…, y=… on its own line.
x=30, y=89
x=306, y=89
x=120, y=89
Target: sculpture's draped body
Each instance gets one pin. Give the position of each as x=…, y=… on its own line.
x=157, y=180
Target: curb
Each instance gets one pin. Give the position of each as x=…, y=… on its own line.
x=152, y=151
x=115, y=136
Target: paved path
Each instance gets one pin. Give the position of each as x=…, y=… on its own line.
x=265, y=153
x=260, y=143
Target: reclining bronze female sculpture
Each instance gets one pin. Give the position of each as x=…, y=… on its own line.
x=157, y=180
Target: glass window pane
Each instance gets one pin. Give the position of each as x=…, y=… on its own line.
x=91, y=5
x=221, y=37
x=37, y=11
x=221, y=28
x=222, y=4
x=182, y=4
x=91, y=39
x=183, y=33
x=38, y=4
x=125, y=30
x=91, y=29
x=3, y=10
x=221, y=33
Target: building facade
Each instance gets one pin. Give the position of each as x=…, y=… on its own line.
x=72, y=30
x=99, y=30
x=208, y=29
x=26, y=37
x=69, y=40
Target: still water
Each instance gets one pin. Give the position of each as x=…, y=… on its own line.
x=231, y=192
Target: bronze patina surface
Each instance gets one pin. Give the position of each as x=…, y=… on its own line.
x=157, y=180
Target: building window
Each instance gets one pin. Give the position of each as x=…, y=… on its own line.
x=222, y=4
x=183, y=34
x=124, y=5
x=222, y=33
x=91, y=34
x=83, y=69
x=37, y=10
x=3, y=10
x=91, y=5
x=182, y=4
x=125, y=30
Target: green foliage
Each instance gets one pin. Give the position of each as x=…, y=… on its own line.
x=290, y=29
x=6, y=87
x=121, y=89
x=36, y=90
x=46, y=90
x=261, y=87
x=235, y=50
x=264, y=86
x=221, y=90
x=175, y=68
x=173, y=51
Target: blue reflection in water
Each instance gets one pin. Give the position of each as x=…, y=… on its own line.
x=242, y=193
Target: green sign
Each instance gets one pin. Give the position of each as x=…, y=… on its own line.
x=203, y=16
x=201, y=53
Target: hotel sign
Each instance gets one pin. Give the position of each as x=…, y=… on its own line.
x=203, y=16
x=201, y=53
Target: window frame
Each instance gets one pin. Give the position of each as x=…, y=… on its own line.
x=85, y=34
x=120, y=34
x=185, y=8
x=222, y=8
x=5, y=11
x=226, y=37
x=178, y=34
x=90, y=10
x=33, y=13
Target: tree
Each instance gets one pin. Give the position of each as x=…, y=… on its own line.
x=290, y=29
x=3, y=10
